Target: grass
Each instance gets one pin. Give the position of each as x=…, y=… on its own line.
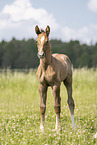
x=20, y=111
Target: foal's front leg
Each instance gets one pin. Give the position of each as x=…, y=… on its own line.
x=43, y=96
x=57, y=106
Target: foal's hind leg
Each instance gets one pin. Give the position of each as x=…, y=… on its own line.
x=68, y=84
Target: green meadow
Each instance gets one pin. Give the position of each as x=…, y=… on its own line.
x=20, y=110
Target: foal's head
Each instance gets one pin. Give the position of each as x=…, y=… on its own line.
x=42, y=41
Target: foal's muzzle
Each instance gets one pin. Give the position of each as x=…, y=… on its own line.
x=41, y=55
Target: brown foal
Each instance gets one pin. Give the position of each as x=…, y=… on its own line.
x=53, y=69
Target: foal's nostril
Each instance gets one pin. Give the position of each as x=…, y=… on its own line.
x=41, y=55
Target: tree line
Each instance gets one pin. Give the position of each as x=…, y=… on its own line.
x=20, y=54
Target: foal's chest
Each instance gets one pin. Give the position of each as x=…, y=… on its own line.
x=46, y=76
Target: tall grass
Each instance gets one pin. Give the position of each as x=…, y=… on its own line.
x=20, y=110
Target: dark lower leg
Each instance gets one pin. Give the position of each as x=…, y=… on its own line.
x=71, y=105
x=68, y=84
x=42, y=111
x=57, y=111
x=43, y=95
x=57, y=106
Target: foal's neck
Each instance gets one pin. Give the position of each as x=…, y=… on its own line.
x=47, y=59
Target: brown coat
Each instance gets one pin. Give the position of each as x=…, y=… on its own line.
x=53, y=69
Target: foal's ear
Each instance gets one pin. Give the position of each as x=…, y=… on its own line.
x=47, y=30
x=37, y=30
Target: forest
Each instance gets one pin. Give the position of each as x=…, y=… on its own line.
x=21, y=54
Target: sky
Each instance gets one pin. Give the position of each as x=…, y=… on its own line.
x=68, y=19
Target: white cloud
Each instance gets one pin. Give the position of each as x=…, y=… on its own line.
x=92, y=5
x=19, y=18
x=68, y=33
x=84, y=34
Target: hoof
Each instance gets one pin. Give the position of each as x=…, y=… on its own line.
x=73, y=122
x=95, y=136
x=74, y=125
x=58, y=129
x=41, y=128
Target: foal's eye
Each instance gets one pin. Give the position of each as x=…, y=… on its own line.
x=37, y=42
x=47, y=42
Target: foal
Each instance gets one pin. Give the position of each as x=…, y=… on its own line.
x=53, y=69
